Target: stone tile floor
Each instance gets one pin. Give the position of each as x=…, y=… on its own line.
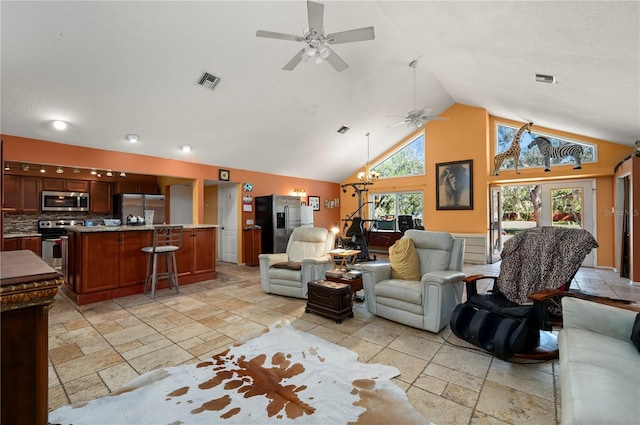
x=96, y=348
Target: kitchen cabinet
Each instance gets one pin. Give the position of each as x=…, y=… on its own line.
x=11, y=192
x=133, y=187
x=252, y=242
x=32, y=243
x=22, y=194
x=102, y=264
x=65, y=185
x=101, y=200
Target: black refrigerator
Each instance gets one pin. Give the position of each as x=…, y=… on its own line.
x=277, y=216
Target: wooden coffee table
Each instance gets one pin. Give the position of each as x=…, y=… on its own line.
x=355, y=283
x=330, y=299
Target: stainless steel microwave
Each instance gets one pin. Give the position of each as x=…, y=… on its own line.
x=64, y=201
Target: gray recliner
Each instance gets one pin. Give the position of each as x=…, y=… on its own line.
x=306, y=259
x=426, y=303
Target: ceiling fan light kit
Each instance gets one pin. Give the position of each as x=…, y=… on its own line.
x=317, y=40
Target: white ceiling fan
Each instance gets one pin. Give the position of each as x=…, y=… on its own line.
x=317, y=40
x=416, y=118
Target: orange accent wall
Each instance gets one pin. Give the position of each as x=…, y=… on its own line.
x=469, y=133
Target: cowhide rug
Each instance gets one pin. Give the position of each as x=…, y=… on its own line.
x=284, y=376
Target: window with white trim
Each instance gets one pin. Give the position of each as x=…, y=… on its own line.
x=531, y=158
x=406, y=161
x=387, y=207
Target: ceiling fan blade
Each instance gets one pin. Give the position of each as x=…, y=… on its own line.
x=278, y=35
x=350, y=36
x=397, y=124
x=294, y=61
x=336, y=61
x=315, y=12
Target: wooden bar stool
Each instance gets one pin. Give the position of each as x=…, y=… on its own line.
x=166, y=241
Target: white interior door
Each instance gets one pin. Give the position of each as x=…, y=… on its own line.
x=228, y=222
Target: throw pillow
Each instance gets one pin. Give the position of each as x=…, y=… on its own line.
x=289, y=265
x=635, y=332
x=404, y=260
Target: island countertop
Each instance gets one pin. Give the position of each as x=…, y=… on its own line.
x=125, y=228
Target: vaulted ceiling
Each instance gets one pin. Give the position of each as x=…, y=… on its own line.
x=118, y=67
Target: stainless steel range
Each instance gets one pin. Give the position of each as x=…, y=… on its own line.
x=52, y=231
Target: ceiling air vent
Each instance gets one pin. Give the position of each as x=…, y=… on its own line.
x=549, y=79
x=208, y=81
x=343, y=129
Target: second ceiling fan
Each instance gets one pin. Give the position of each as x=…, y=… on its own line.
x=317, y=40
x=416, y=117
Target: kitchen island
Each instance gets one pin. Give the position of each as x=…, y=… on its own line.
x=102, y=263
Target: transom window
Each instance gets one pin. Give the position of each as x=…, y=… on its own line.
x=387, y=207
x=530, y=158
x=406, y=161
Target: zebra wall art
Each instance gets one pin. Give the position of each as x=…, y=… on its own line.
x=547, y=151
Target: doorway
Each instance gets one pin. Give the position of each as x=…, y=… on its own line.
x=514, y=208
x=228, y=222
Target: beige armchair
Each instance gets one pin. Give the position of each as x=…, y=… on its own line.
x=306, y=259
x=426, y=303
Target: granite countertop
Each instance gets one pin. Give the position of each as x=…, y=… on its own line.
x=22, y=235
x=97, y=229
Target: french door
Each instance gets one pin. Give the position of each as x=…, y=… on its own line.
x=567, y=203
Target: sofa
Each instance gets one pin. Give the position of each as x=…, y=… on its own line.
x=599, y=365
x=426, y=301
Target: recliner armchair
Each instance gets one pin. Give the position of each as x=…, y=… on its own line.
x=306, y=259
x=426, y=303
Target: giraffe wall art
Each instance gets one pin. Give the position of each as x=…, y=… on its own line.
x=512, y=152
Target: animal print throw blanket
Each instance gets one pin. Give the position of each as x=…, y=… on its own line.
x=541, y=258
x=282, y=377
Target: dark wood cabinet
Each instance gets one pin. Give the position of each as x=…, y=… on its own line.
x=27, y=289
x=65, y=185
x=133, y=262
x=101, y=200
x=31, y=188
x=11, y=192
x=102, y=265
x=383, y=240
x=22, y=194
x=252, y=243
x=133, y=187
x=32, y=243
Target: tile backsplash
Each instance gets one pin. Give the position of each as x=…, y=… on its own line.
x=28, y=223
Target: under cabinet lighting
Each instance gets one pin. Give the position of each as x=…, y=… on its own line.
x=7, y=167
x=59, y=170
x=42, y=170
x=109, y=174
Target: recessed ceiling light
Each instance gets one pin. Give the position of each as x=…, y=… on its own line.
x=59, y=125
x=133, y=138
x=186, y=148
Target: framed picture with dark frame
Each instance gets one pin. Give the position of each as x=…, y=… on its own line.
x=314, y=201
x=224, y=175
x=454, y=185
